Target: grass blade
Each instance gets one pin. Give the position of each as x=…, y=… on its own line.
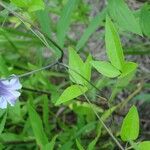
x=64, y=21
x=94, y=24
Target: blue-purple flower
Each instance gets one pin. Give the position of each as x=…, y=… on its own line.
x=9, y=91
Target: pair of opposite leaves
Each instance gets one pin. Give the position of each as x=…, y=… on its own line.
x=79, y=70
x=117, y=65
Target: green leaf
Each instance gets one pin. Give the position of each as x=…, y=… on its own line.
x=78, y=70
x=2, y=123
x=20, y=3
x=121, y=13
x=46, y=113
x=70, y=93
x=128, y=67
x=113, y=45
x=64, y=21
x=105, y=68
x=15, y=113
x=3, y=67
x=130, y=126
x=35, y=5
x=37, y=127
x=79, y=146
x=87, y=68
x=31, y=5
x=144, y=19
x=45, y=21
x=50, y=146
x=94, y=24
x=145, y=145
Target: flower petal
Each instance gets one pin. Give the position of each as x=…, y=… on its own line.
x=12, y=97
x=13, y=84
x=3, y=102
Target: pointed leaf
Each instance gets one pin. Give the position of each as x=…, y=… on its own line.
x=113, y=45
x=75, y=64
x=128, y=67
x=87, y=68
x=105, y=68
x=78, y=70
x=121, y=13
x=70, y=93
x=130, y=126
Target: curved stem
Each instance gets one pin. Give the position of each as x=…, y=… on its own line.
x=101, y=121
x=22, y=19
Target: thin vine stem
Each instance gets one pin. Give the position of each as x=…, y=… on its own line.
x=43, y=40
x=37, y=70
x=101, y=121
x=49, y=66
x=31, y=72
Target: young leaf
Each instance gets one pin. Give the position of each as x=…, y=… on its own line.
x=128, y=67
x=121, y=13
x=113, y=45
x=130, y=126
x=144, y=19
x=105, y=68
x=79, y=146
x=94, y=24
x=78, y=69
x=37, y=127
x=70, y=93
x=64, y=21
x=145, y=145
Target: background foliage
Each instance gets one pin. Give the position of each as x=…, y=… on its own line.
x=85, y=100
